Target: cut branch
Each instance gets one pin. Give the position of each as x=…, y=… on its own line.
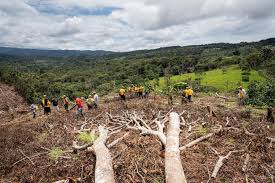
x=220, y=162
x=117, y=140
x=247, y=157
x=194, y=142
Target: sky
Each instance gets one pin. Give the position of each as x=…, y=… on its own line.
x=126, y=25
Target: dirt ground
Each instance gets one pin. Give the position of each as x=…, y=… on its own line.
x=27, y=145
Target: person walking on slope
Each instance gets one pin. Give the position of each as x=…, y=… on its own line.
x=90, y=102
x=241, y=96
x=34, y=109
x=46, y=104
x=79, y=104
x=66, y=102
x=55, y=103
x=96, y=100
x=122, y=94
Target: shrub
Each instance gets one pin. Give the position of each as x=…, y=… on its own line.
x=261, y=93
x=245, y=78
x=180, y=86
x=55, y=153
x=86, y=137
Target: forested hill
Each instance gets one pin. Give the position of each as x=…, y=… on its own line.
x=58, y=72
x=51, y=53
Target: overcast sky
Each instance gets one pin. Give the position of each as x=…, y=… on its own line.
x=124, y=25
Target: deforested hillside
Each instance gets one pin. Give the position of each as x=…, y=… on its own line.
x=136, y=141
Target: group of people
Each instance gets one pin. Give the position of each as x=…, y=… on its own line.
x=48, y=104
x=133, y=91
x=93, y=100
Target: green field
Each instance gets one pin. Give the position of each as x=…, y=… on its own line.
x=224, y=80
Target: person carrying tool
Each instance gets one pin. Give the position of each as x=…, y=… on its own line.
x=90, y=102
x=79, y=104
x=46, y=104
x=122, y=94
x=66, y=102
x=241, y=96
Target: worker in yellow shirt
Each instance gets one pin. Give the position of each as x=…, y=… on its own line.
x=184, y=96
x=122, y=94
x=46, y=104
x=189, y=93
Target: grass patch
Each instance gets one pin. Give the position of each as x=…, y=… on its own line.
x=230, y=141
x=202, y=131
x=55, y=153
x=87, y=137
x=223, y=79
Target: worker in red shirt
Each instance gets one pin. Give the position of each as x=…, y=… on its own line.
x=79, y=104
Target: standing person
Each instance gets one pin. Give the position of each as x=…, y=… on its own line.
x=184, y=96
x=241, y=96
x=46, y=104
x=55, y=103
x=136, y=91
x=90, y=102
x=122, y=94
x=96, y=100
x=189, y=94
x=66, y=102
x=34, y=109
x=132, y=91
x=140, y=91
x=79, y=104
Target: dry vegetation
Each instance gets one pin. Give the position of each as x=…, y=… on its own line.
x=45, y=149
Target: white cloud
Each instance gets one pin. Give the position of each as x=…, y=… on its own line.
x=137, y=24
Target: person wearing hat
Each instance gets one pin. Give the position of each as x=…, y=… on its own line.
x=241, y=96
x=96, y=100
x=90, y=102
x=66, y=103
x=46, y=104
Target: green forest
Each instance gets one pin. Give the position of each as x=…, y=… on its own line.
x=250, y=64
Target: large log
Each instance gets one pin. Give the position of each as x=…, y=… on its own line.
x=104, y=169
x=173, y=168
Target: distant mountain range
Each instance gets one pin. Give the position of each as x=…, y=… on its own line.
x=99, y=53
x=51, y=53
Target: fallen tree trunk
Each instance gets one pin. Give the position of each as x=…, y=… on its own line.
x=104, y=169
x=173, y=168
